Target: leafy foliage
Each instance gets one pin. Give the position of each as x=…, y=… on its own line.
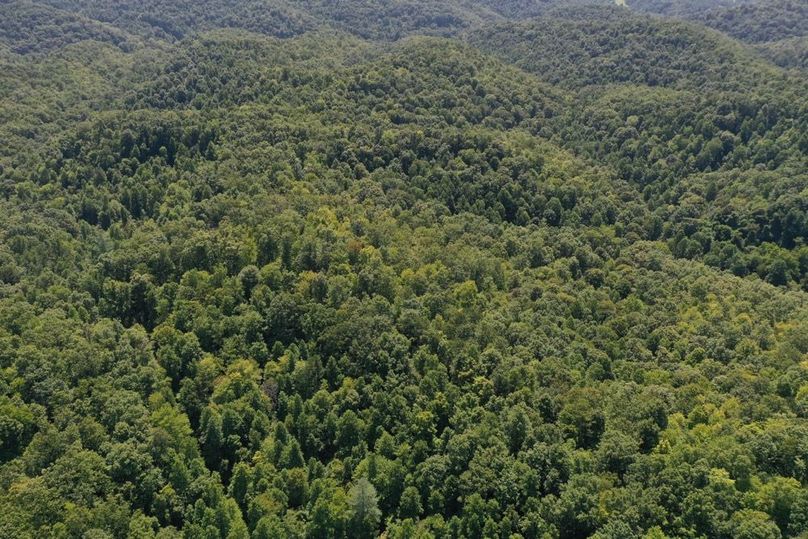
x=548, y=279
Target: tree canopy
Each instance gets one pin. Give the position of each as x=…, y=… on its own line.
x=408, y=269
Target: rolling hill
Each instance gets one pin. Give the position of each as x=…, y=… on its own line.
x=401, y=269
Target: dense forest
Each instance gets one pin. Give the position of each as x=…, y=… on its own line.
x=471, y=269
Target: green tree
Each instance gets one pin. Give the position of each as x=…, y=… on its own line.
x=365, y=515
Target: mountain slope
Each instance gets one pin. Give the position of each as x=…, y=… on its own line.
x=761, y=21
x=367, y=18
x=172, y=20
x=263, y=280
x=608, y=45
x=31, y=27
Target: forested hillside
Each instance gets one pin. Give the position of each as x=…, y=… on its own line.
x=778, y=28
x=407, y=269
